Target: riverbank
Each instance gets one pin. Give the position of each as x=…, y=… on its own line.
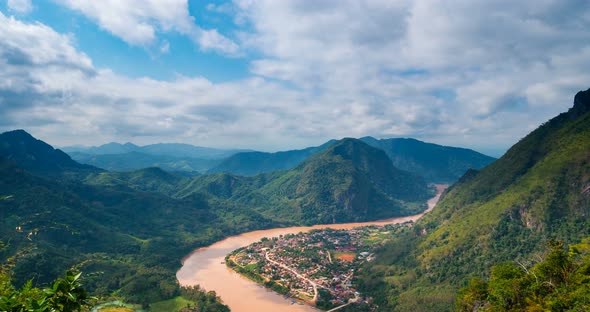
x=206, y=267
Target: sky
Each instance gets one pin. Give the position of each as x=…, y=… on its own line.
x=275, y=75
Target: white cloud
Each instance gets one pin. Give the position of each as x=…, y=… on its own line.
x=139, y=23
x=20, y=6
x=460, y=73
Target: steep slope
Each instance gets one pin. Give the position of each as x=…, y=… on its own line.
x=436, y=163
x=37, y=156
x=252, y=163
x=349, y=181
x=539, y=189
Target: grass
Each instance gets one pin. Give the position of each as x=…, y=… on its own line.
x=171, y=305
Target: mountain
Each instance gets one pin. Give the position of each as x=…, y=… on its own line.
x=347, y=181
x=176, y=150
x=252, y=163
x=136, y=160
x=127, y=237
x=37, y=156
x=539, y=190
x=127, y=230
x=436, y=163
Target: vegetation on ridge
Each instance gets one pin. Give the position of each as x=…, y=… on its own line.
x=539, y=190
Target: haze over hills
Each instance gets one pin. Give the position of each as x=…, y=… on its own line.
x=252, y=163
x=168, y=156
x=348, y=181
x=436, y=163
x=160, y=149
x=538, y=190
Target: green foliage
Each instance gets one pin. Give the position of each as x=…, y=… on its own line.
x=64, y=295
x=560, y=282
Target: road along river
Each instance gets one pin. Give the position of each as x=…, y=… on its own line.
x=205, y=267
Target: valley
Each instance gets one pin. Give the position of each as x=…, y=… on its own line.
x=206, y=266
x=294, y=156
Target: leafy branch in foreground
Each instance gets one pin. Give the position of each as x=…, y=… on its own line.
x=560, y=282
x=64, y=295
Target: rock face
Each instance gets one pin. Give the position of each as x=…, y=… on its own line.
x=581, y=104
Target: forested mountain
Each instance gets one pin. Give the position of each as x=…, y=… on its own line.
x=37, y=156
x=436, y=163
x=252, y=163
x=348, y=181
x=540, y=189
x=128, y=230
x=127, y=241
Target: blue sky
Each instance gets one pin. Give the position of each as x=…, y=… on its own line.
x=274, y=75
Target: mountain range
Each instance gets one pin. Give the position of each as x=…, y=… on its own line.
x=128, y=229
x=435, y=163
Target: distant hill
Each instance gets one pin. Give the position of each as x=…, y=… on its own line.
x=137, y=160
x=168, y=156
x=176, y=150
x=252, y=163
x=539, y=190
x=37, y=156
x=436, y=163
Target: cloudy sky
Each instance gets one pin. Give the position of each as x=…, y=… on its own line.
x=272, y=75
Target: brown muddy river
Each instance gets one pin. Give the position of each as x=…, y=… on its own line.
x=205, y=267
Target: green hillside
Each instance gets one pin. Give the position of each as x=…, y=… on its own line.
x=126, y=241
x=348, y=181
x=128, y=230
x=436, y=163
x=252, y=163
x=539, y=189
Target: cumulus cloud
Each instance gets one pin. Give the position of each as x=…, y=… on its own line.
x=461, y=73
x=139, y=23
x=499, y=59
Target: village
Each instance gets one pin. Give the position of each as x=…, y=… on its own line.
x=317, y=267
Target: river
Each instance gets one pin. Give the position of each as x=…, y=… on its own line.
x=205, y=267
